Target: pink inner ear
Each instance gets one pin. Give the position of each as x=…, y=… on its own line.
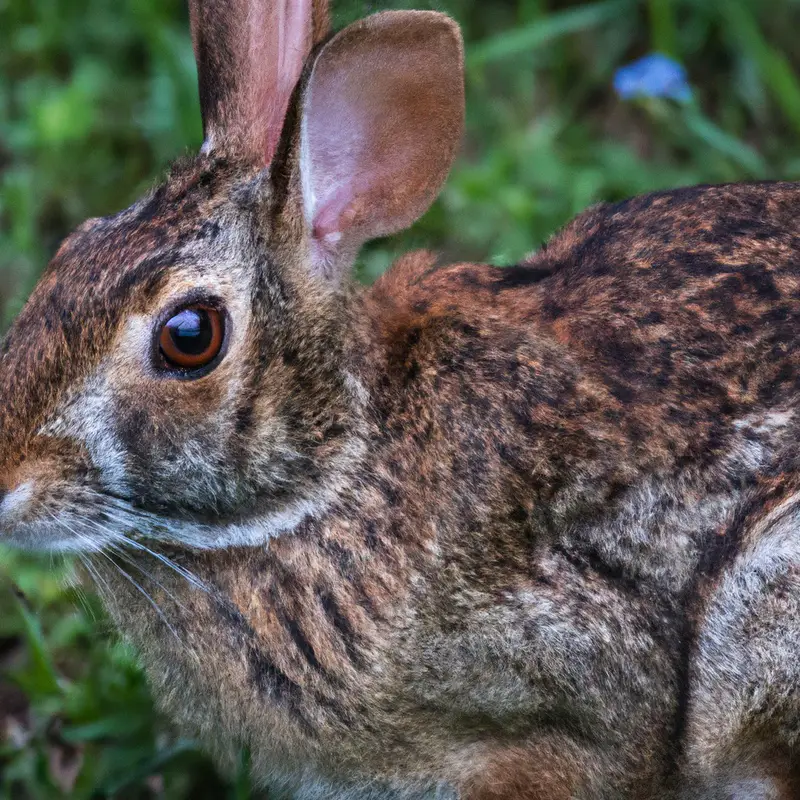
x=342, y=162
x=290, y=41
x=335, y=215
x=330, y=224
x=382, y=118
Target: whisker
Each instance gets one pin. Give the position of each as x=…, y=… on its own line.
x=90, y=545
x=128, y=560
x=120, y=536
x=101, y=583
x=82, y=597
x=144, y=593
x=180, y=570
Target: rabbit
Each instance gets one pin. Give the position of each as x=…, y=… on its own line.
x=471, y=532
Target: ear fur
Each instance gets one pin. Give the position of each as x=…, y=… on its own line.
x=381, y=121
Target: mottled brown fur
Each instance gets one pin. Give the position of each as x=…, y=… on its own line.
x=470, y=532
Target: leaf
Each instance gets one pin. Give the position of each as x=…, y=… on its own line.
x=149, y=766
x=107, y=727
x=42, y=672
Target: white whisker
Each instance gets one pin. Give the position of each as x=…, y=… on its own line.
x=120, y=535
x=144, y=593
x=119, y=551
x=102, y=585
x=180, y=570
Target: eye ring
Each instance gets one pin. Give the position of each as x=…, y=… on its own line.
x=189, y=342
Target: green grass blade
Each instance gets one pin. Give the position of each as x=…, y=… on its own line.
x=544, y=30
x=663, y=31
x=773, y=66
x=42, y=672
x=149, y=767
x=745, y=156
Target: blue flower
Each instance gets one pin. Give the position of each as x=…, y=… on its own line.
x=655, y=75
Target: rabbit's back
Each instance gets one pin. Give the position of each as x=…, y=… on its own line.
x=678, y=302
x=677, y=314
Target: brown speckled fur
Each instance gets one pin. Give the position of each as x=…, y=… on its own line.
x=538, y=532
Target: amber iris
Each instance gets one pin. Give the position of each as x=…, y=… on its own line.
x=192, y=338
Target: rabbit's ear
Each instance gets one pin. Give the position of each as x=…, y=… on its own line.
x=382, y=116
x=250, y=54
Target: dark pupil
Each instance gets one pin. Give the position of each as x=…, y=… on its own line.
x=191, y=331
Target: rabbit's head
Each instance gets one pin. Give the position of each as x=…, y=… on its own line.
x=181, y=369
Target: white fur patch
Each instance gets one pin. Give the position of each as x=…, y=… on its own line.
x=16, y=501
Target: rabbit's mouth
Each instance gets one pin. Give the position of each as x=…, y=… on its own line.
x=32, y=518
x=82, y=518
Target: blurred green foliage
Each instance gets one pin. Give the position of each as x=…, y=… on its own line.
x=96, y=98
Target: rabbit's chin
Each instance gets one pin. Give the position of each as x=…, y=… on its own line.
x=27, y=523
x=218, y=535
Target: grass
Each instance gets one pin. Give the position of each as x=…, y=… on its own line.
x=97, y=96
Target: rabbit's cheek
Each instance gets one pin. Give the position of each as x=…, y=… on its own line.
x=173, y=453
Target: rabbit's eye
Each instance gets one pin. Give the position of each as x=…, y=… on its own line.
x=192, y=339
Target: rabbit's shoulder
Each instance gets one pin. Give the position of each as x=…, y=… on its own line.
x=655, y=337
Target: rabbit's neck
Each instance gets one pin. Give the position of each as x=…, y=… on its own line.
x=291, y=643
